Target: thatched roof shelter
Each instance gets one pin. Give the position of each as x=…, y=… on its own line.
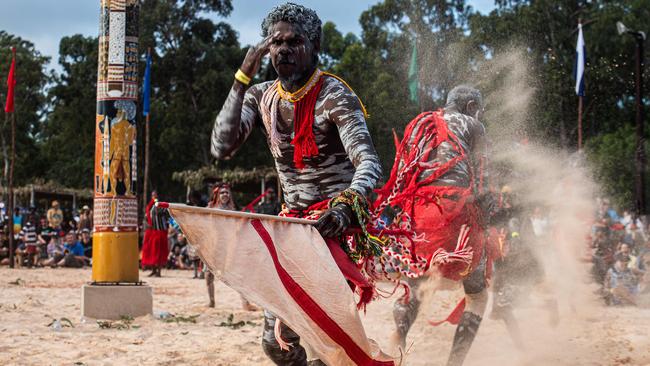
x=41, y=193
x=196, y=179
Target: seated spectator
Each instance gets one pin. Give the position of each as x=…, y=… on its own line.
x=20, y=254
x=621, y=283
x=44, y=236
x=179, y=257
x=74, y=253
x=87, y=242
x=184, y=261
x=626, y=219
x=634, y=264
x=85, y=219
x=634, y=236
x=172, y=258
x=55, y=250
x=603, y=255
x=29, y=255
x=4, y=247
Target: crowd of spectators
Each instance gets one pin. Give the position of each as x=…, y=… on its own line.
x=49, y=240
x=620, y=253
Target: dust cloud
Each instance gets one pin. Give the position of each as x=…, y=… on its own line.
x=558, y=183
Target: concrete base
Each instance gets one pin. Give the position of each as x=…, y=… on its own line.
x=113, y=302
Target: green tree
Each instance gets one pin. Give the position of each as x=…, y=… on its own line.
x=612, y=156
x=193, y=66
x=68, y=138
x=29, y=109
x=377, y=65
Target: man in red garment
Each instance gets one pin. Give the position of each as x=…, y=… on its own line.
x=438, y=186
x=155, y=248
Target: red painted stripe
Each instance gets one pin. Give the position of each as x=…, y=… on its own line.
x=313, y=310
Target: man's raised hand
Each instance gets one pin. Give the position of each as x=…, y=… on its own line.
x=253, y=59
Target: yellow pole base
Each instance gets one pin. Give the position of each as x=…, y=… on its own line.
x=115, y=257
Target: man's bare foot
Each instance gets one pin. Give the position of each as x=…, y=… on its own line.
x=211, y=304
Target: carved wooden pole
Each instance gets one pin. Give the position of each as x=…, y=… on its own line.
x=115, y=238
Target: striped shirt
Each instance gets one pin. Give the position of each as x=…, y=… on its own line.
x=28, y=233
x=159, y=218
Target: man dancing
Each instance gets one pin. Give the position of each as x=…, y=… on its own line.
x=439, y=187
x=316, y=131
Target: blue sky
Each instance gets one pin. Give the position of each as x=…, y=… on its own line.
x=44, y=22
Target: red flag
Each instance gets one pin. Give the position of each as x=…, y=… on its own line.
x=11, y=83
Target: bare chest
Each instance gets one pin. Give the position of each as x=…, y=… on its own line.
x=286, y=119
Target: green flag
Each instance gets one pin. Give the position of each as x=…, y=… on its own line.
x=413, y=73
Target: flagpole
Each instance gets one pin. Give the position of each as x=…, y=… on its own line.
x=10, y=198
x=146, y=159
x=9, y=109
x=145, y=195
x=11, y=169
x=580, y=123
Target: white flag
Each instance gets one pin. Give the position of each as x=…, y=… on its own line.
x=285, y=266
x=580, y=63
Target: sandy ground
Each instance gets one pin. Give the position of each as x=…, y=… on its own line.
x=593, y=335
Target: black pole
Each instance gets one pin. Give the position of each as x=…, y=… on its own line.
x=640, y=138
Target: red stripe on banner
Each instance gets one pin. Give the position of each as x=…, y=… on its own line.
x=312, y=309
